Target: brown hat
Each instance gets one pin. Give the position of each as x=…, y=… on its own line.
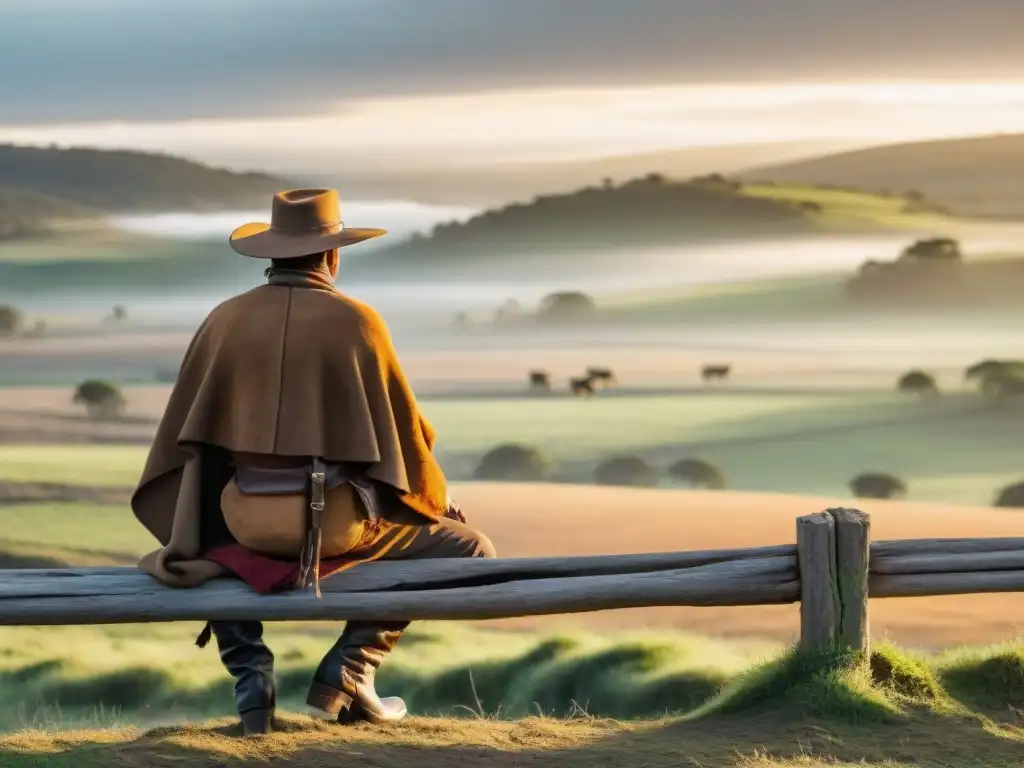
x=302, y=222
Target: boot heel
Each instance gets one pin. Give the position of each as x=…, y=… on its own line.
x=257, y=721
x=327, y=699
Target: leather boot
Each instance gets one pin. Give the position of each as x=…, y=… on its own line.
x=343, y=686
x=251, y=663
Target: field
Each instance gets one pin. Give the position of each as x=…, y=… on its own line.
x=779, y=438
x=528, y=701
x=652, y=687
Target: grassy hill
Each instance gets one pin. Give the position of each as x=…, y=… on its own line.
x=652, y=211
x=26, y=214
x=42, y=186
x=678, y=700
x=982, y=175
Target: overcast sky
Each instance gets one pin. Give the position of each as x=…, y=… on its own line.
x=89, y=60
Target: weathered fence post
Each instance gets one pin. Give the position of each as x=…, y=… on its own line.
x=819, y=591
x=853, y=542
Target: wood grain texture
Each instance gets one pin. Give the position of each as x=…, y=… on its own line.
x=934, y=584
x=819, y=596
x=755, y=581
x=1011, y=560
x=881, y=550
x=397, y=574
x=853, y=539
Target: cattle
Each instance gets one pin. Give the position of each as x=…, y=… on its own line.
x=712, y=372
x=605, y=376
x=583, y=387
x=540, y=380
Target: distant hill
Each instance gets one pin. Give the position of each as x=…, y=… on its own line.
x=41, y=186
x=500, y=182
x=981, y=176
x=650, y=211
x=30, y=214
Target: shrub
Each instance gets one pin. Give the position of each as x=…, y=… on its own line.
x=699, y=473
x=513, y=462
x=1010, y=496
x=11, y=320
x=102, y=399
x=877, y=485
x=918, y=382
x=566, y=306
x=626, y=470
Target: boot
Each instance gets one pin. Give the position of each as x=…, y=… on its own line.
x=343, y=686
x=251, y=663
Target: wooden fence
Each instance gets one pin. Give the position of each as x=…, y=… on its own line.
x=831, y=571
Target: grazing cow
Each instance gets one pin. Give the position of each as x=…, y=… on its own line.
x=605, y=376
x=540, y=380
x=582, y=387
x=710, y=372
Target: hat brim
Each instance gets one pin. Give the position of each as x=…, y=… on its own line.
x=259, y=241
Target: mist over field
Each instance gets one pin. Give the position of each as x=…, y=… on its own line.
x=665, y=277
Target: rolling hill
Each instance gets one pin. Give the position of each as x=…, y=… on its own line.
x=651, y=211
x=981, y=176
x=42, y=188
x=502, y=181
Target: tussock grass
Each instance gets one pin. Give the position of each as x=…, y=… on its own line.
x=504, y=698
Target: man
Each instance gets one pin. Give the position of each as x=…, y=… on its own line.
x=292, y=448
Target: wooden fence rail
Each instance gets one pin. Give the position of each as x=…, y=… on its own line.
x=831, y=571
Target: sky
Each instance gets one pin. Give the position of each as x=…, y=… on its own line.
x=268, y=83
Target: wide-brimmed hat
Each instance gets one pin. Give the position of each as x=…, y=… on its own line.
x=302, y=222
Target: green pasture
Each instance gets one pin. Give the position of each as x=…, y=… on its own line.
x=98, y=465
x=847, y=210
x=957, y=448
x=807, y=296
x=74, y=530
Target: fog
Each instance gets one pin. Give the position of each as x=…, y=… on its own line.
x=400, y=217
x=424, y=307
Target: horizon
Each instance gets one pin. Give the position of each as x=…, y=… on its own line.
x=467, y=130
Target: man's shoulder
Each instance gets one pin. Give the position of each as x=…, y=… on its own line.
x=335, y=304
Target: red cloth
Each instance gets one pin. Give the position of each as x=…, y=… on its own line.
x=268, y=574
x=265, y=574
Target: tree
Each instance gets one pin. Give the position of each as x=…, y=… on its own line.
x=566, y=306
x=918, y=382
x=698, y=473
x=1010, y=496
x=11, y=320
x=514, y=462
x=626, y=470
x=984, y=368
x=507, y=312
x=102, y=399
x=877, y=485
x=119, y=312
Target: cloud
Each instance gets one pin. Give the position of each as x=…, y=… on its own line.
x=84, y=60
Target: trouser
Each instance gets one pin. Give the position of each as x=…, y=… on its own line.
x=364, y=644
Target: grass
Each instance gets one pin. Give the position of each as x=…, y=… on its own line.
x=107, y=465
x=848, y=209
x=786, y=442
x=514, y=699
x=75, y=527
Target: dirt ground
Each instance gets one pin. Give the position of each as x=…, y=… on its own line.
x=539, y=520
